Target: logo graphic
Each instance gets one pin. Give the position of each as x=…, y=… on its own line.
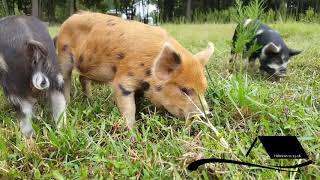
x=277, y=147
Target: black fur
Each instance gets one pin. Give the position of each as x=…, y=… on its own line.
x=177, y=58
x=147, y=72
x=145, y=86
x=124, y=91
x=114, y=69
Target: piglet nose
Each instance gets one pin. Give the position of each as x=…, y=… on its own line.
x=283, y=71
x=206, y=115
x=209, y=114
x=40, y=81
x=43, y=83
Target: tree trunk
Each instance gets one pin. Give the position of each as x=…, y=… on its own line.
x=160, y=11
x=71, y=7
x=35, y=8
x=133, y=10
x=147, y=18
x=168, y=8
x=188, y=12
x=6, y=8
x=51, y=10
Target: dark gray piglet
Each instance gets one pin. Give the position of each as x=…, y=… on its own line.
x=273, y=53
x=29, y=67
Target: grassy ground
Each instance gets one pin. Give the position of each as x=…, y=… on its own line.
x=245, y=106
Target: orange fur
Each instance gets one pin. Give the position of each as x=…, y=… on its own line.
x=112, y=50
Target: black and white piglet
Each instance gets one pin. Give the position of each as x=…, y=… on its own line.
x=272, y=53
x=28, y=67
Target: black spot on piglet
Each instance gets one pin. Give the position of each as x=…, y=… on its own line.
x=120, y=55
x=114, y=69
x=124, y=91
x=177, y=58
x=145, y=86
x=147, y=72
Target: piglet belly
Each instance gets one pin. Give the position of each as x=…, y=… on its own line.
x=101, y=73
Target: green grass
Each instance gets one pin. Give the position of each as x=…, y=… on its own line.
x=95, y=144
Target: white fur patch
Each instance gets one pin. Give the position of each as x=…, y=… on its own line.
x=3, y=64
x=14, y=100
x=260, y=32
x=26, y=110
x=60, y=79
x=25, y=121
x=263, y=54
x=274, y=66
x=58, y=105
x=37, y=80
x=247, y=22
x=277, y=67
x=285, y=65
x=26, y=106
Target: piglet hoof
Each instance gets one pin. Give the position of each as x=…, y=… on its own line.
x=62, y=121
x=130, y=125
x=31, y=145
x=27, y=130
x=61, y=124
x=29, y=134
x=38, y=118
x=87, y=94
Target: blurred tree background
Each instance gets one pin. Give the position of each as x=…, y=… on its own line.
x=177, y=11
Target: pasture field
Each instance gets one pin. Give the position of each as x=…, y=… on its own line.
x=95, y=145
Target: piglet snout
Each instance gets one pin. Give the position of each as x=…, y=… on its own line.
x=283, y=71
x=40, y=81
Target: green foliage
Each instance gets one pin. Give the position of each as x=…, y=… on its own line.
x=253, y=11
x=269, y=16
x=259, y=9
x=246, y=32
x=310, y=16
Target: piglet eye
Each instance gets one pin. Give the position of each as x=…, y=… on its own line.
x=186, y=91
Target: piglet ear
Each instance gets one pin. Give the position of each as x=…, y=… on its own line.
x=36, y=49
x=293, y=52
x=167, y=63
x=205, y=55
x=271, y=49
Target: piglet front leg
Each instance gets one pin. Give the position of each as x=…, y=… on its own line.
x=25, y=108
x=126, y=104
x=86, y=85
x=58, y=106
